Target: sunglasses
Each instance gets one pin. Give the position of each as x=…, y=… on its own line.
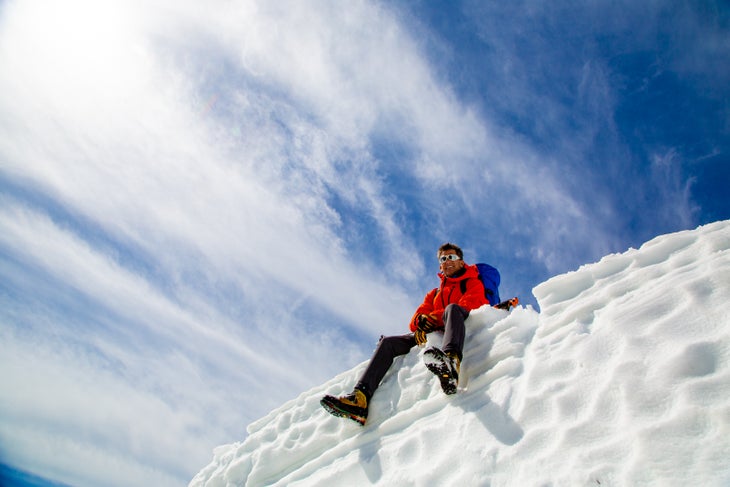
x=444, y=258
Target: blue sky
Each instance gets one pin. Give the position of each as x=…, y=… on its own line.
x=207, y=209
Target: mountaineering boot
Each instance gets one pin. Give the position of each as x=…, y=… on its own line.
x=353, y=406
x=455, y=364
x=445, y=367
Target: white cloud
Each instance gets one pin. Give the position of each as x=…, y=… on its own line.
x=186, y=226
x=66, y=414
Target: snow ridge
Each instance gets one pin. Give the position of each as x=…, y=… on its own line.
x=622, y=379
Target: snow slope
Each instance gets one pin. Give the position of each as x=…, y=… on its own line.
x=622, y=379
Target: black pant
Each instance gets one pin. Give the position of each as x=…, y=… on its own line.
x=390, y=347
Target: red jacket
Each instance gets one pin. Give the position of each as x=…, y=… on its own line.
x=449, y=292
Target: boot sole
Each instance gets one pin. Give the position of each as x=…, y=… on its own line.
x=331, y=406
x=437, y=362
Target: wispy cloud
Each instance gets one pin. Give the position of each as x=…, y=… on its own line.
x=184, y=212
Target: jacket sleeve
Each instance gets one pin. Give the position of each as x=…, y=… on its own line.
x=473, y=297
x=425, y=308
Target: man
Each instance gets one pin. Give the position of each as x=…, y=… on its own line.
x=443, y=309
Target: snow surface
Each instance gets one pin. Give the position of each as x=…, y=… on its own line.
x=623, y=378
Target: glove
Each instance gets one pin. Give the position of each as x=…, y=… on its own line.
x=426, y=323
x=420, y=337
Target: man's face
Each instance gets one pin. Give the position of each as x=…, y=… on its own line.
x=450, y=267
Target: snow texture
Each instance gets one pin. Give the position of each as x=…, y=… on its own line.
x=623, y=378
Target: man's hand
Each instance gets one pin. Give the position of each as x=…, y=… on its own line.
x=426, y=323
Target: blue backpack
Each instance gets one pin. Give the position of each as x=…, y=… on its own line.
x=490, y=278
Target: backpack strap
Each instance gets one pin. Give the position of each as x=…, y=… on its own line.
x=487, y=292
x=462, y=287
